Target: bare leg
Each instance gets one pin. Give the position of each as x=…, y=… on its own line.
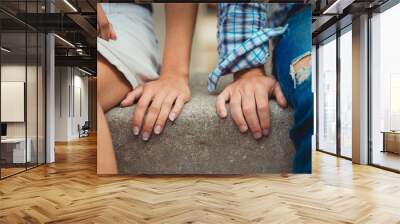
x=304, y=62
x=111, y=90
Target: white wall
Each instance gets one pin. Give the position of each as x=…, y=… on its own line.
x=61, y=103
x=69, y=85
x=12, y=73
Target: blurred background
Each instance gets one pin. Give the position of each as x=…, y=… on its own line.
x=204, y=52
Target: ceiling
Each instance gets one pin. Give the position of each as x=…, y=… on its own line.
x=332, y=15
x=72, y=20
x=75, y=22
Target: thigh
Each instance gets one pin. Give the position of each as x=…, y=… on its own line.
x=112, y=86
x=293, y=46
x=292, y=67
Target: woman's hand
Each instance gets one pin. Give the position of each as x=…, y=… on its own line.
x=248, y=97
x=105, y=29
x=165, y=97
x=157, y=101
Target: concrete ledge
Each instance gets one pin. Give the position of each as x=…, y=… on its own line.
x=201, y=143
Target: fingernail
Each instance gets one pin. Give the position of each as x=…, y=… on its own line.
x=257, y=135
x=135, y=130
x=172, y=116
x=145, y=136
x=222, y=114
x=266, y=132
x=157, y=129
x=121, y=105
x=243, y=128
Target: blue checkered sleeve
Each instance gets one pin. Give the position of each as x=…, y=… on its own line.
x=242, y=38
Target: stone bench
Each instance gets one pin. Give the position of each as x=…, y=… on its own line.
x=199, y=142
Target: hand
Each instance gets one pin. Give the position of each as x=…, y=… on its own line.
x=105, y=29
x=106, y=32
x=248, y=97
x=157, y=101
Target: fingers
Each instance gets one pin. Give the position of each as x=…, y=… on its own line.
x=140, y=111
x=280, y=98
x=151, y=117
x=113, y=35
x=236, y=111
x=262, y=103
x=250, y=114
x=104, y=35
x=132, y=96
x=107, y=32
x=177, y=109
x=163, y=116
x=220, y=103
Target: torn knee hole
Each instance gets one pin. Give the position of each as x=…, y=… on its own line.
x=300, y=68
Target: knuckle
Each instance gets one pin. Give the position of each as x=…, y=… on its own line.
x=140, y=106
x=247, y=109
x=239, y=123
x=160, y=122
x=161, y=119
x=147, y=128
x=267, y=125
x=263, y=108
x=154, y=109
x=135, y=121
x=254, y=126
x=167, y=104
x=234, y=103
x=147, y=87
x=236, y=118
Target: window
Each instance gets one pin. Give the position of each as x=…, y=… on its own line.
x=22, y=75
x=385, y=89
x=346, y=75
x=327, y=96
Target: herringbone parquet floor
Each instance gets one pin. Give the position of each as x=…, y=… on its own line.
x=69, y=191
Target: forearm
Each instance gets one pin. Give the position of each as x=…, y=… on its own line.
x=180, y=22
x=101, y=16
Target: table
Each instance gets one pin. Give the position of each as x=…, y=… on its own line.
x=19, y=155
x=391, y=141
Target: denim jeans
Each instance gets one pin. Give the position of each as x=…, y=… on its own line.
x=293, y=45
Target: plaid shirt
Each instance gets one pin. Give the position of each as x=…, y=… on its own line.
x=243, y=37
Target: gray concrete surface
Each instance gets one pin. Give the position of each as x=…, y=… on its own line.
x=201, y=143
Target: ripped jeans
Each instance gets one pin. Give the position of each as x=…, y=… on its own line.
x=292, y=46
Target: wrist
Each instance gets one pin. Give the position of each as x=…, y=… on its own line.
x=252, y=72
x=175, y=72
x=175, y=75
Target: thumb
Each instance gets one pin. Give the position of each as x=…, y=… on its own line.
x=131, y=97
x=220, y=103
x=280, y=98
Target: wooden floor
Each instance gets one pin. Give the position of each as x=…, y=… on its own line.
x=69, y=191
x=387, y=159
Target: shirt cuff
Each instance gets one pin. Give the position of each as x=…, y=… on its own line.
x=251, y=53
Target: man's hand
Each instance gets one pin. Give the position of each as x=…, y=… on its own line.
x=248, y=97
x=105, y=29
x=157, y=101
